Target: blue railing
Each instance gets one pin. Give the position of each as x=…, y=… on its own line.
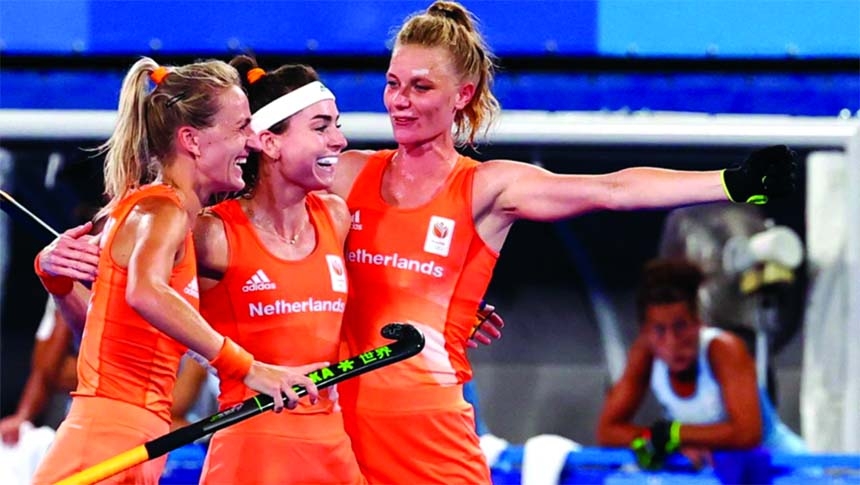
x=827, y=94
x=617, y=467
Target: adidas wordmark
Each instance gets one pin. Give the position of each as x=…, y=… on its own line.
x=258, y=282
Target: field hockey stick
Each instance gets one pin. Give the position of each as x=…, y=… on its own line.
x=5, y=195
x=408, y=341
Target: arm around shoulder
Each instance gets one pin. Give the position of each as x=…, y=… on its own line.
x=349, y=165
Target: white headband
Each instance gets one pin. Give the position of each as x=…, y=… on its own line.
x=288, y=105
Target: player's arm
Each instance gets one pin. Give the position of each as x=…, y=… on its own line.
x=349, y=165
x=150, y=240
x=65, y=267
x=190, y=380
x=526, y=191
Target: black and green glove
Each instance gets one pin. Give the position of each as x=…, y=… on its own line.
x=768, y=172
x=659, y=441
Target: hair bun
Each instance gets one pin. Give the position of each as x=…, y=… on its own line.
x=450, y=10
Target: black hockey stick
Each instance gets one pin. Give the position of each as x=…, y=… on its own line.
x=408, y=341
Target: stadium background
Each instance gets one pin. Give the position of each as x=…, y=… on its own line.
x=719, y=57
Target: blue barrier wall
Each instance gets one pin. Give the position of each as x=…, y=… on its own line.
x=820, y=95
x=733, y=28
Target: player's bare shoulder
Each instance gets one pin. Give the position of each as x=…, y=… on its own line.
x=493, y=176
x=338, y=210
x=349, y=165
x=209, y=233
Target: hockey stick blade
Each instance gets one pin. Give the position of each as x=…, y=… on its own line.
x=408, y=341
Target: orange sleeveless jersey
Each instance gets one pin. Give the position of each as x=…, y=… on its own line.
x=283, y=312
x=123, y=356
x=426, y=266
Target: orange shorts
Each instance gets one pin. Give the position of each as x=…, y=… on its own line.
x=416, y=436
x=280, y=449
x=96, y=429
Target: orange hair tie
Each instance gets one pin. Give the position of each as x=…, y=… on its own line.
x=158, y=74
x=255, y=74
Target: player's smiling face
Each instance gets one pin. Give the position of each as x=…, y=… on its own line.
x=423, y=93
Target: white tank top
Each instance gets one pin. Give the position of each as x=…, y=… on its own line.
x=705, y=406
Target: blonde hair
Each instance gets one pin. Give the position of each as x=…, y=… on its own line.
x=450, y=26
x=147, y=120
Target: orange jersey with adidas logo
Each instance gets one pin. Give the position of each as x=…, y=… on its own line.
x=283, y=312
x=123, y=356
x=426, y=266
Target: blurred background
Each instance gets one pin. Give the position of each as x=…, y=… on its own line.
x=587, y=86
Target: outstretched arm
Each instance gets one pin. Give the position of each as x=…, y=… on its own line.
x=525, y=191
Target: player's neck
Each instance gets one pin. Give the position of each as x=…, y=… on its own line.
x=280, y=211
x=429, y=158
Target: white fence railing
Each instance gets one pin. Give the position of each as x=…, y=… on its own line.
x=515, y=127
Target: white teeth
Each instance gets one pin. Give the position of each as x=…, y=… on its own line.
x=241, y=161
x=327, y=161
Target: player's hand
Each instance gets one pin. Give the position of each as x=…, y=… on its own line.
x=768, y=172
x=74, y=254
x=276, y=381
x=488, y=325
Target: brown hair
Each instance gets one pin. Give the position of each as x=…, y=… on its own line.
x=450, y=26
x=147, y=120
x=262, y=89
x=669, y=281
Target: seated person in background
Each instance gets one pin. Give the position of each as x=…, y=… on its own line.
x=52, y=371
x=703, y=377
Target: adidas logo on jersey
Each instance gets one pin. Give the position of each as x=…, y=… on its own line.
x=258, y=282
x=192, y=290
